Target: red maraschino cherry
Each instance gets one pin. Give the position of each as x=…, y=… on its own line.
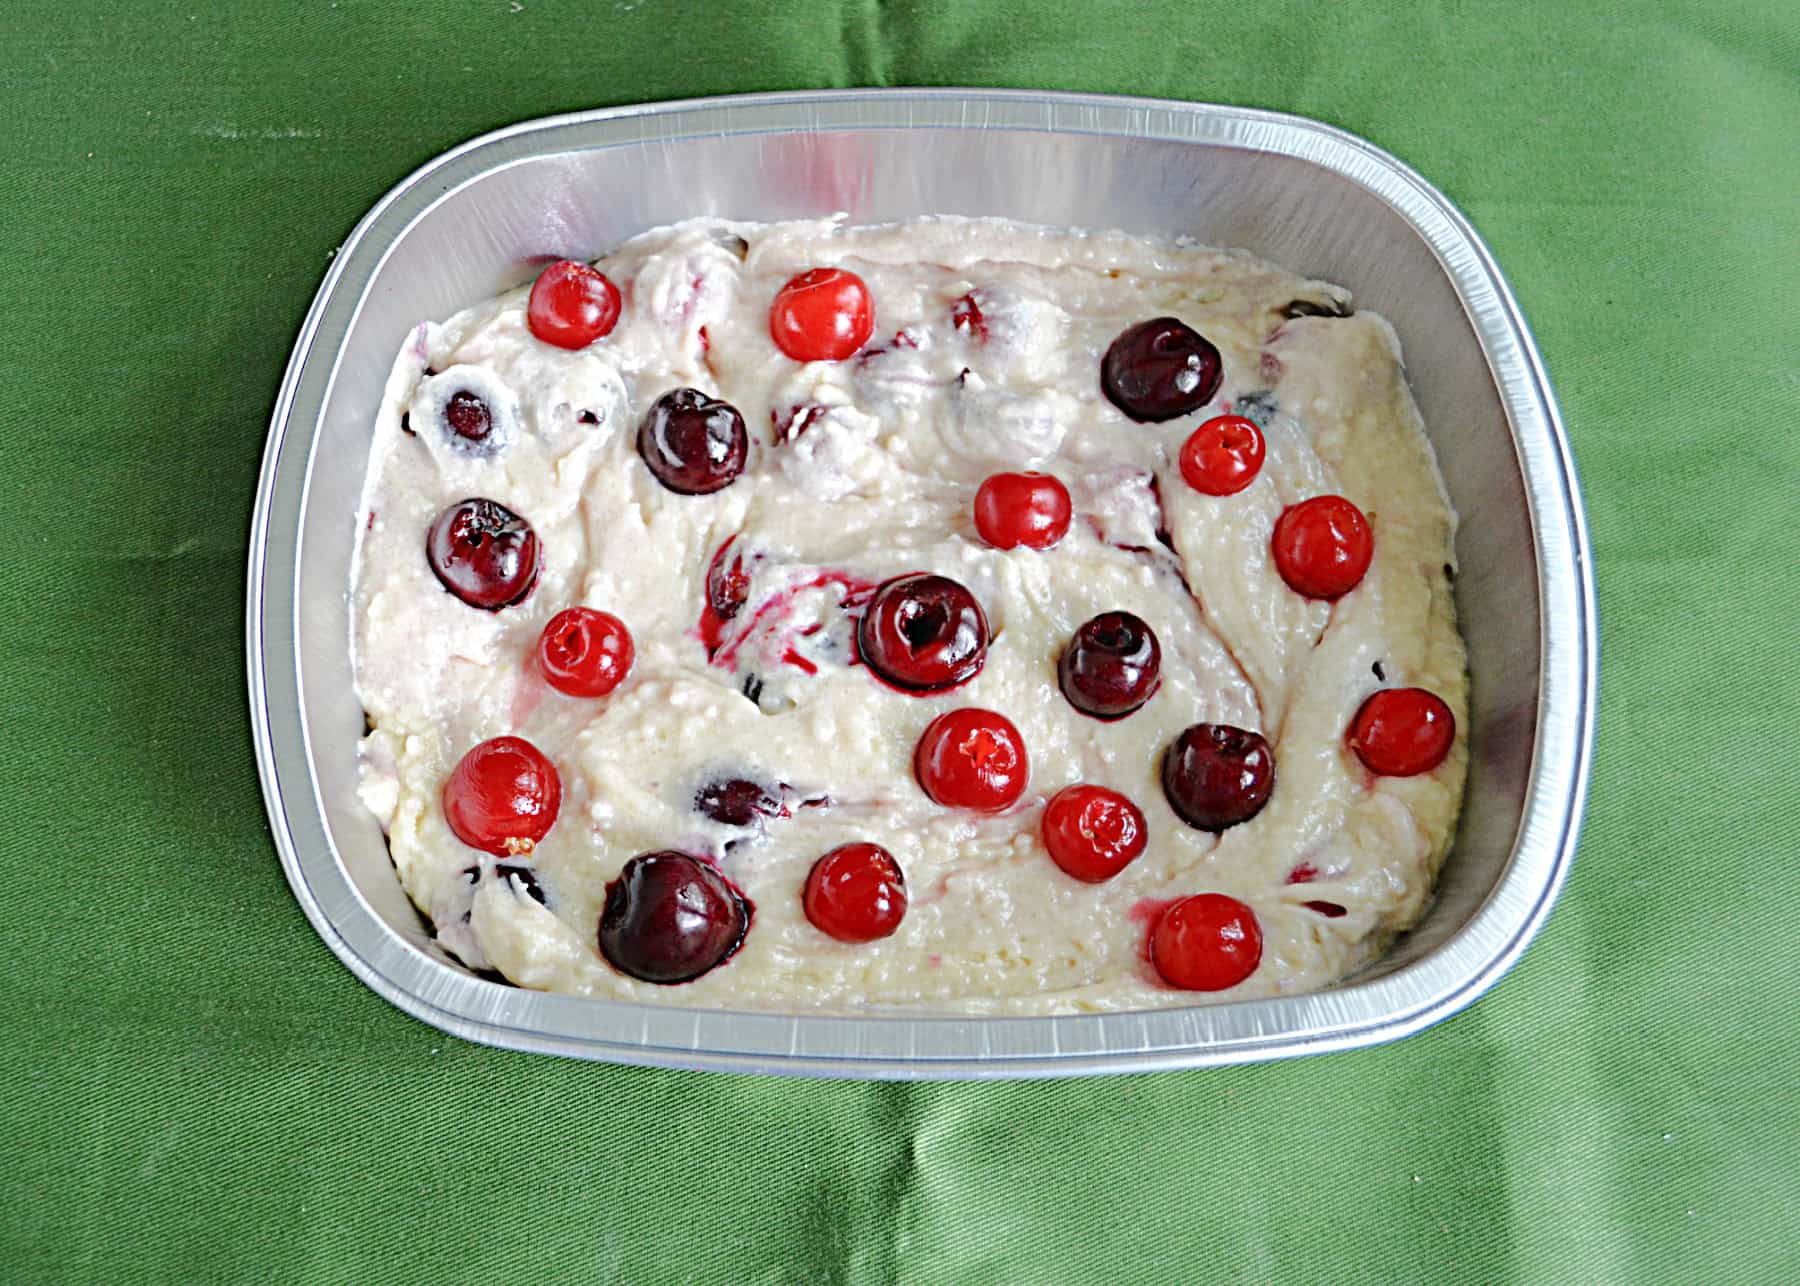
x=572, y=305
x=585, y=653
x=1323, y=547
x=1206, y=942
x=1093, y=833
x=503, y=797
x=1030, y=509
x=822, y=315
x=1222, y=456
x=1402, y=732
x=855, y=893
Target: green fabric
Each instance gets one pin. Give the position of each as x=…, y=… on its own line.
x=193, y=1088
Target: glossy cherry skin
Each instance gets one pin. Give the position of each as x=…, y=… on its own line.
x=572, y=305
x=1322, y=547
x=1030, y=509
x=1112, y=666
x=736, y=801
x=923, y=632
x=483, y=553
x=503, y=797
x=1159, y=369
x=1093, y=833
x=972, y=758
x=1223, y=455
x=1216, y=776
x=1402, y=732
x=693, y=444
x=585, y=653
x=727, y=582
x=670, y=918
x=822, y=315
x=855, y=893
x=1206, y=942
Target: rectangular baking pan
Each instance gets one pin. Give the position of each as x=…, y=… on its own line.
x=1309, y=197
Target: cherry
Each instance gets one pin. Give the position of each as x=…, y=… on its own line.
x=1093, y=833
x=855, y=893
x=1112, y=666
x=1322, y=546
x=585, y=653
x=693, y=444
x=670, y=918
x=1159, y=369
x=1216, y=776
x=1402, y=732
x=1222, y=456
x=468, y=417
x=1206, y=942
x=923, y=632
x=971, y=758
x=823, y=315
x=1030, y=509
x=503, y=796
x=483, y=553
x=727, y=583
x=572, y=305
x=736, y=802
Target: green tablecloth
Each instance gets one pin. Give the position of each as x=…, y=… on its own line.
x=192, y=1087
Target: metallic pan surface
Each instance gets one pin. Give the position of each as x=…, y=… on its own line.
x=1314, y=199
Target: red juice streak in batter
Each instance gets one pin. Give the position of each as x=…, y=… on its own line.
x=731, y=584
x=1146, y=912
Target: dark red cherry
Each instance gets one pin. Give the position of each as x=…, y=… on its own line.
x=822, y=315
x=468, y=416
x=693, y=444
x=670, y=918
x=484, y=553
x=923, y=632
x=1112, y=666
x=1216, y=776
x=735, y=802
x=971, y=758
x=1323, y=546
x=1159, y=369
x=727, y=583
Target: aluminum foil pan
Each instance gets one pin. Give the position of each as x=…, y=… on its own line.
x=1314, y=199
